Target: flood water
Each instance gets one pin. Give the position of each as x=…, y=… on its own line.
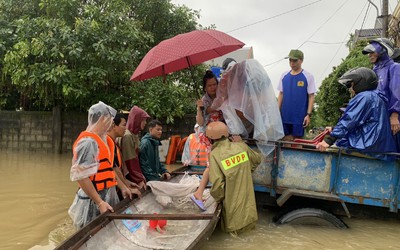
x=36, y=193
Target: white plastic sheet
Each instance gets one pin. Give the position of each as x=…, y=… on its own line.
x=247, y=88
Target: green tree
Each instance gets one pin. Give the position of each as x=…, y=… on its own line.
x=72, y=53
x=173, y=98
x=332, y=95
x=10, y=11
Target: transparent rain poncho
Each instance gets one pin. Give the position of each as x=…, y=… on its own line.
x=85, y=161
x=195, y=152
x=247, y=88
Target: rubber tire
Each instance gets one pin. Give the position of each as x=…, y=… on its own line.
x=311, y=212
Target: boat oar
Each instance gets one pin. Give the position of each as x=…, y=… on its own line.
x=160, y=216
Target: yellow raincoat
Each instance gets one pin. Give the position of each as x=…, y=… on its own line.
x=231, y=164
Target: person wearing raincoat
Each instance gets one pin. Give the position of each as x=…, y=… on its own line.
x=207, y=111
x=92, y=168
x=195, y=153
x=249, y=98
x=137, y=121
x=364, y=126
x=379, y=51
x=231, y=165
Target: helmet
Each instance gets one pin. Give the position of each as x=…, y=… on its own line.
x=384, y=42
x=362, y=78
x=396, y=55
x=216, y=130
x=228, y=63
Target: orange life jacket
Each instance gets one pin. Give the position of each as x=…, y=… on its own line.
x=105, y=176
x=198, y=152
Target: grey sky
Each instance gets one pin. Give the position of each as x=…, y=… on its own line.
x=320, y=27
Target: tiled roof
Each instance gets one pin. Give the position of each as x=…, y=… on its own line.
x=367, y=33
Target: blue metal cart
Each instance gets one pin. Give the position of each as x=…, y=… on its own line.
x=297, y=169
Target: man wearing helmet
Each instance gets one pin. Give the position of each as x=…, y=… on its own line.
x=364, y=125
x=379, y=52
x=231, y=165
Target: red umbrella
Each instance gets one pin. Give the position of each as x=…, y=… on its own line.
x=183, y=51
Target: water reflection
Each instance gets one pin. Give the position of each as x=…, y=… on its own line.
x=37, y=192
x=362, y=234
x=34, y=198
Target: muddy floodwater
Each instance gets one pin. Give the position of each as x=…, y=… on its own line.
x=36, y=193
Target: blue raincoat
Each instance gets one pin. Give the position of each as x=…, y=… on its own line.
x=388, y=73
x=365, y=125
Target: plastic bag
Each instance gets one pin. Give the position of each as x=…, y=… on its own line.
x=188, y=184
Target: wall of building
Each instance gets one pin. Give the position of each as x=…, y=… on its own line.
x=56, y=131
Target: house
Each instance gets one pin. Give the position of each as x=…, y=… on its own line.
x=393, y=29
x=394, y=26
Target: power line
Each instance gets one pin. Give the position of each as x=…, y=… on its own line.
x=327, y=20
x=274, y=62
x=365, y=17
x=333, y=43
x=337, y=51
x=308, y=39
x=269, y=18
x=325, y=43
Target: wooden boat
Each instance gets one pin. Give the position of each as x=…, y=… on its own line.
x=128, y=227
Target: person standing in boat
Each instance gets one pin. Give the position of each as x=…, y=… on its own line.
x=92, y=168
x=149, y=156
x=137, y=121
x=231, y=166
x=364, y=126
x=126, y=187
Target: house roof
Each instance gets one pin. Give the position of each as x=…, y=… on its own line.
x=367, y=33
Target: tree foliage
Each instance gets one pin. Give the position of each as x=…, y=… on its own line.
x=332, y=95
x=73, y=53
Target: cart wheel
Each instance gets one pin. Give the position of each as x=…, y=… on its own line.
x=311, y=216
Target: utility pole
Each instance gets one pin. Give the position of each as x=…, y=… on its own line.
x=385, y=18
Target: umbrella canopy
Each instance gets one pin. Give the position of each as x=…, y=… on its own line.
x=184, y=51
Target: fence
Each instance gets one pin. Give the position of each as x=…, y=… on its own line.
x=56, y=131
